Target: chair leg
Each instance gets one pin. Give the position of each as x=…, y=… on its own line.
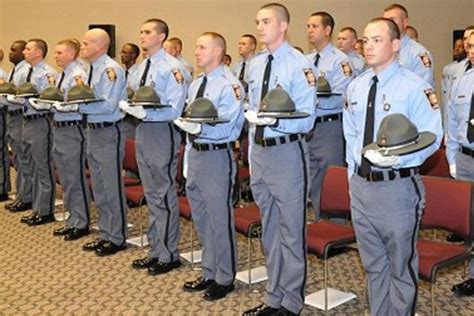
x=140, y=220
x=326, y=270
x=433, y=307
x=249, y=261
x=191, y=240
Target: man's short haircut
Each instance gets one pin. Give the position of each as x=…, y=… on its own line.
x=469, y=28
x=72, y=44
x=219, y=39
x=252, y=38
x=396, y=6
x=413, y=29
x=326, y=19
x=135, y=49
x=160, y=26
x=176, y=41
x=393, y=30
x=350, y=30
x=282, y=12
x=22, y=43
x=41, y=45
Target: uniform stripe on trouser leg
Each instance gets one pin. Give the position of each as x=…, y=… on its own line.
x=229, y=214
x=49, y=162
x=305, y=188
x=412, y=250
x=81, y=163
x=119, y=178
x=170, y=178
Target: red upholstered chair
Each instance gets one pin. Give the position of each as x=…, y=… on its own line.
x=449, y=206
x=130, y=163
x=135, y=196
x=436, y=165
x=324, y=235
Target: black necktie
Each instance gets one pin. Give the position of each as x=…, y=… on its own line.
x=369, y=124
x=242, y=72
x=89, y=79
x=28, y=77
x=266, y=80
x=61, y=80
x=126, y=75
x=12, y=74
x=145, y=72
x=316, y=60
x=202, y=87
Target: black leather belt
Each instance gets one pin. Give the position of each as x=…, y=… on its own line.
x=35, y=117
x=59, y=124
x=329, y=118
x=15, y=112
x=274, y=141
x=206, y=147
x=387, y=175
x=102, y=124
x=467, y=151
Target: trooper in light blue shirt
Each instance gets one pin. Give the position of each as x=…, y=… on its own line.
x=387, y=189
x=325, y=141
x=246, y=47
x=37, y=135
x=157, y=143
x=279, y=161
x=346, y=41
x=172, y=47
x=128, y=57
x=212, y=168
x=106, y=143
x=412, y=55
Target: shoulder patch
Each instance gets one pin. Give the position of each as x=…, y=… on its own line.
x=425, y=59
x=346, y=68
x=178, y=76
x=51, y=79
x=78, y=80
x=111, y=74
x=310, y=77
x=432, y=98
x=237, y=92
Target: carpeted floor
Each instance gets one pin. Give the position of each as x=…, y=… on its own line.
x=44, y=275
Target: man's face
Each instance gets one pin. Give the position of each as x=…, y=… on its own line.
x=397, y=16
x=346, y=41
x=458, y=49
x=31, y=52
x=269, y=28
x=246, y=47
x=149, y=37
x=126, y=55
x=16, y=53
x=171, y=49
x=89, y=48
x=63, y=55
x=206, y=51
x=470, y=48
x=317, y=33
x=379, y=50
x=466, y=37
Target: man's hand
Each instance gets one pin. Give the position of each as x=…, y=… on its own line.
x=375, y=157
x=188, y=127
x=38, y=105
x=252, y=117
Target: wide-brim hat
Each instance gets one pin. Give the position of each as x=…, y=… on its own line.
x=130, y=93
x=202, y=110
x=26, y=89
x=81, y=94
x=324, y=88
x=52, y=93
x=147, y=97
x=397, y=135
x=278, y=104
x=7, y=88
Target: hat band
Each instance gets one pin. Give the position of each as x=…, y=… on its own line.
x=395, y=147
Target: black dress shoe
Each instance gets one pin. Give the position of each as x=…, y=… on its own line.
x=284, y=312
x=3, y=197
x=20, y=207
x=216, y=291
x=465, y=288
x=27, y=218
x=93, y=245
x=41, y=220
x=76, y=233
x=9, y=205
x=108, y=248
x=454, y=238
x=261, y=310
x=163, y=267
x=144, y=263
x=200, y=284
x=61, y=231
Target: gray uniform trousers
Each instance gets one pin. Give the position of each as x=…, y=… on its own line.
x=105, y=153
x=279, y=182
x=386, y=216
x=24, y=176
x=4, y=160
x=69, y=151
x=465, y=171
x=209, y=188
x=38, y=144
x=157, y=145
x=325, y=148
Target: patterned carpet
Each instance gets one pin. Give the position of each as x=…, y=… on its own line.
x=44, y=275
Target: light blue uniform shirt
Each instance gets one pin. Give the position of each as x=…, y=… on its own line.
x=290, y=71
x=398, y=91
x=43, y=75
x=330, y=65
x=226, y=93
x=165, y=75
x=357, y=61
x=108, y=82
x=74, y=74
x=417, y=58
x=19, y=77
x=459, y=108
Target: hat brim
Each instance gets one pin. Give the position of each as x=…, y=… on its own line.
x=150, y=105
x=27, y=95
x=425, y=140
x=82, y=101
x=283, y=115
x=328, y=94
x=205, y=120
x=50, y=101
